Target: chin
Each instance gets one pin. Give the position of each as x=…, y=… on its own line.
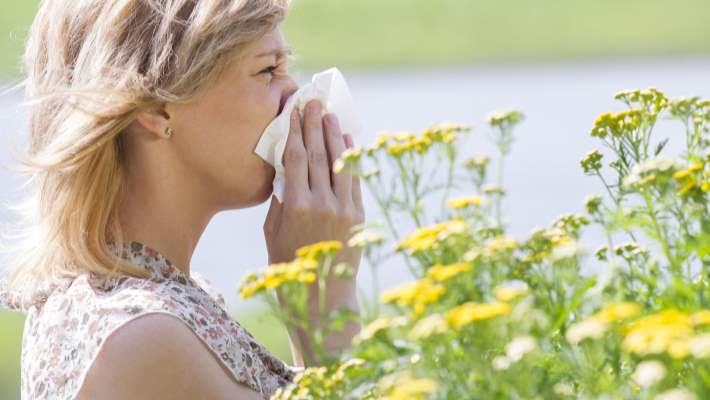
x=260, y=188
x=260, y=194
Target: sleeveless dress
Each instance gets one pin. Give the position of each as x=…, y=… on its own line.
x=64, y=332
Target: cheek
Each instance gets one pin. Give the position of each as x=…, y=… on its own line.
x=223, y=132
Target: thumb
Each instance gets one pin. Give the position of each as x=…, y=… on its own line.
x=273, y=215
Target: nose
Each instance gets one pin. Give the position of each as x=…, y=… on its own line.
x=290, y=88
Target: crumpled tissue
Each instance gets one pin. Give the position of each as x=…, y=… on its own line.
x=330, y=88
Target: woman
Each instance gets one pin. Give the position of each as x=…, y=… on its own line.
x=144, y=117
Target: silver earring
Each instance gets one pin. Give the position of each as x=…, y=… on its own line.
x=168, y=131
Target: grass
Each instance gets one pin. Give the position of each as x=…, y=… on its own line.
x=15, y=18
x=265, y=329
x=11, y=324
x=395, y=33
x=369, y=33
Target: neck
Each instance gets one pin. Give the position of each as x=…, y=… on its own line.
x=164, y=213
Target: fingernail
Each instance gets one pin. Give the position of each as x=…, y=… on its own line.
x=330, y=118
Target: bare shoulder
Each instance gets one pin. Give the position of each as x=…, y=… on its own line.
x=158, y=356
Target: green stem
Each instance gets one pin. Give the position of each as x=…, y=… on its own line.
x=661, y=235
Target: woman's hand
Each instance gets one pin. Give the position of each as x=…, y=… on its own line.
x=318, y=204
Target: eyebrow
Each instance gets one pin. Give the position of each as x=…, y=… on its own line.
x=279, y=53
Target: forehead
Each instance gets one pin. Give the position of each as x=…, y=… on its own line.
x=271, y=41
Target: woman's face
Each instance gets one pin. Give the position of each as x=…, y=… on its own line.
x=216, y=134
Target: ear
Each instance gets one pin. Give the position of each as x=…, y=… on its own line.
x=154, y=120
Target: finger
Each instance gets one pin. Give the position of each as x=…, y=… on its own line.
x=342, y=182
x=318, y=171
x=356, y=191
x=295, y=159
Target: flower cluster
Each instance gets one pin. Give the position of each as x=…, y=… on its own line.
x=505, y=119
x=417, y=295
x=465, y=202
x=433, y=237
x=656, y=170
x=276, y=275
x=488, y=315
x=650, y=100
x=616, y=124
x=591, y=162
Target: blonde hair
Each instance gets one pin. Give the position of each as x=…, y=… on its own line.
x=91, y=66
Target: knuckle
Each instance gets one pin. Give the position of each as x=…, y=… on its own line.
x=293, y=155
x=313, y=116
x=331, y=121
x=299, y=208
x=353, y=214
x=313, y=105
x=327, y=210
x=317, y=157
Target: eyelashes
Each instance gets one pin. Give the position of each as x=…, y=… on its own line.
x=270, y=70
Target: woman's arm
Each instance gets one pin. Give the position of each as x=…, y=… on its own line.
x=340, y=293
x=157, y=356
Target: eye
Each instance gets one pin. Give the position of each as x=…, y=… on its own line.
x=269, y=70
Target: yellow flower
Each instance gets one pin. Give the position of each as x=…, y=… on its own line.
x=598, y=324
x=509, y=293
x=403, y=386
x=380, y=141
x=275, y=275
x=683, y=173
x=687, y=187
x=701, y=317
x=403, y=136
x=347, y=157
x=445, y=272
x=250, y=285
x=428, y=238
x=448, y=137
x=614, y=312
x=444, y=132
x=464, y=202
x=397, y=149
x=589, y=328
x=646, y=180
x=371, y=329
x=421, y=145
x=339, y=374
x=427, y=326
x=504, y=118
x=466, y=313
x=667, y=331
x=416, y=294
x=365, y=238
x=492, y=249
x=317, y=250
x=501, y=243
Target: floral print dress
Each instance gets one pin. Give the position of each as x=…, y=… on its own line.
x=64, y=332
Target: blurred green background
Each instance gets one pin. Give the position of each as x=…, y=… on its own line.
x=395, y=33
x=375, y=34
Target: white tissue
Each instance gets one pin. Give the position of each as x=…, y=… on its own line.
x=327, y=86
